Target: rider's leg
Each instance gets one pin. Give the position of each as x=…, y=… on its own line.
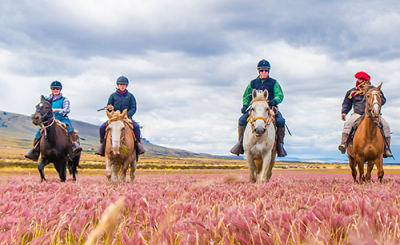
x=76, y=148
x=346, y=131
x=280, y=131
x=102, y=131
x=139, y=143
x=238, y=148
x=34, y=153
x=386, y=136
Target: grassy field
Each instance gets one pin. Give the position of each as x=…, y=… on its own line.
x=13, y=160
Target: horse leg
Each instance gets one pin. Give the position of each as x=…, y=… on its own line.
x=266, y=166
x=360, y=163
x=271, y=165
x=370, y=166
x=114, y=170
x=43, y=162
x=379, y=166
x=108, y=168
x=61, y=168
x=133, y=167
x=352, y=163
x=125, y=167
x=252, y=169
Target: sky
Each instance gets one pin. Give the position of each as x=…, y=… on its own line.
x=189, y=62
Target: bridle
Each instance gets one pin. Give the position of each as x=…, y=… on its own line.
x=46, y=117
x=369, y=108
x=252, y=119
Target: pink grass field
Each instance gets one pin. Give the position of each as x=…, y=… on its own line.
x=292, y=208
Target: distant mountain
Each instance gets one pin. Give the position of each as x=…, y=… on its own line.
x=17, y=131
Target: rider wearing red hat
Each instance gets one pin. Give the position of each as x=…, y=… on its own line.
x=354, y=99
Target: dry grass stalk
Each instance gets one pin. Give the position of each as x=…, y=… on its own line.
x=108, y=222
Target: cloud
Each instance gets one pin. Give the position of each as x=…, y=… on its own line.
x=189, y=62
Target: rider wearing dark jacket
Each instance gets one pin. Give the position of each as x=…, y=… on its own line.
x=119, y=101
x=275, y=97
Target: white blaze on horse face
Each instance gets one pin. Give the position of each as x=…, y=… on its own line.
x=260, y=109
x=375, y=104
x=116, y=129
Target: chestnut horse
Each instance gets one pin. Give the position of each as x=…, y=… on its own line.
x=55, y=145
x=120, y=152
x=368, y=142
x=259, y=138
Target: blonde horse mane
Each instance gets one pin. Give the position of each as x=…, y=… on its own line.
x=116, y=116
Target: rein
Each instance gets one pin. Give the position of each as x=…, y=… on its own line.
x=252, y=119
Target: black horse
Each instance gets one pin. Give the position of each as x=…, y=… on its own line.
x=55, y=145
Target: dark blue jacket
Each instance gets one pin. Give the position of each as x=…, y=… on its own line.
x=357, y=103
x=127, y=101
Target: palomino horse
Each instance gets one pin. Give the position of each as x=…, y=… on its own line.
x=368, y=142
x=55, y=146
x=120, y=150
x=259, y=138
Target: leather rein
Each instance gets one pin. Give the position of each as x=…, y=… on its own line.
x=252, y=119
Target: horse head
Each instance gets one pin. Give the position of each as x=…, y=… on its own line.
x=116, y=127
x=259, y=116
x=374, y=101
x=43, y=111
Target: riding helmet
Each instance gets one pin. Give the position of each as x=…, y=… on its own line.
x=56, y=84
x=263, y=64
x=122, y=80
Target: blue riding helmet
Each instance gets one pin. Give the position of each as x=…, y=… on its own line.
x=263, y=64
x=122, y=80
x=56, y=84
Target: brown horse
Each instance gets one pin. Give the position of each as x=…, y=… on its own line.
x=55, y=146
x=120, y=153
x=368, y=142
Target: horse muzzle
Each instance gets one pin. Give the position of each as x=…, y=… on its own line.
x=36, y=120
x=259, y=131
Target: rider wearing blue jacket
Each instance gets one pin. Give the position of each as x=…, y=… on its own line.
x=61, y=107
x=119, y=101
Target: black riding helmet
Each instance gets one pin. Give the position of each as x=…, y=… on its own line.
x=122, y=80
x=56, y=84
x=263, y=64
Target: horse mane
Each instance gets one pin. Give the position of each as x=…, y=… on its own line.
x=116, y=116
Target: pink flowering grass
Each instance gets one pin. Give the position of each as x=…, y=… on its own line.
x=201, y=209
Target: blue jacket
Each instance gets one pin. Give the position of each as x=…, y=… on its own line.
x=357, y=103
x=127, y=101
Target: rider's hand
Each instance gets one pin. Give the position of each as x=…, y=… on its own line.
x=343, y=117
x=110, y=107
x=272, y=103
x=54, y=110
x=244, y=109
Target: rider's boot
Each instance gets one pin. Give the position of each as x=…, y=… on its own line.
x=238, y=148
x=387, y=153
x=102, y=148
x=139, y=145
x=34, y=153
x=342, y=146
x=76, y=148
x=279, y=144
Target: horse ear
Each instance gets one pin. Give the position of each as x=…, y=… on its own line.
x=108, y=114
x=265, y=94
x=123, y=114
x=380, y=85
x=42, y=98
x=254, y=94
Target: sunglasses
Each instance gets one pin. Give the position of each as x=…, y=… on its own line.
x=266, y=70
x=55, y=89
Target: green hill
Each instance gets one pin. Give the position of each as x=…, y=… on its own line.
x=17, y=131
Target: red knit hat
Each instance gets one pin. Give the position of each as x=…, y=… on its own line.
x=362, y=75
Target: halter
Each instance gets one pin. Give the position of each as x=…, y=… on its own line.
x=369, y=112
x=252, y=119
x=45, y=118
